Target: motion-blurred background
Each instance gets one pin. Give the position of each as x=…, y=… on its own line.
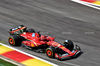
x=62, y=19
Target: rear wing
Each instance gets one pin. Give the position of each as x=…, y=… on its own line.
x=17, y=30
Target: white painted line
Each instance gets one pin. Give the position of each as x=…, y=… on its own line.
x=67, y=63
x=29, y=55
x=87, y=4
x=93, y=4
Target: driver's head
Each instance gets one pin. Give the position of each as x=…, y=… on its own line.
x=65, y=42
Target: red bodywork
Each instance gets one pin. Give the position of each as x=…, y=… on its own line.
x=55, y=44
x=33, y=40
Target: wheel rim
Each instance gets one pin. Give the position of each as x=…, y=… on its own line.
x=49, y=53
x=11, y=41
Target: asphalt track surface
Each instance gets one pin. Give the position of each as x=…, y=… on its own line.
x=60, y=18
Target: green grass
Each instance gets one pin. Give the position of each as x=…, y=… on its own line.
x=5, y=63
x=2, y=41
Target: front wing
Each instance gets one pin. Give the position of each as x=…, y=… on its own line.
x=66, y=55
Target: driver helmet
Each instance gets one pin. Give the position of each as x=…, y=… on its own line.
x=65, y=42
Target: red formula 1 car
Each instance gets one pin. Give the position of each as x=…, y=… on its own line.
x=42, y=43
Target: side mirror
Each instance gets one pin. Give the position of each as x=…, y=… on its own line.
x=78, y=48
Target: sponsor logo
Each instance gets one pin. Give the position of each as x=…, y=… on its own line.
x=65, y=54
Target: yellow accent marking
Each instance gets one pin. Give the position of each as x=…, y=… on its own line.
x=4, y=49
x=35, y=62
x=47, y=43
x=63, y=47
x=35, y=43
x=32, y=45
x=97, y=2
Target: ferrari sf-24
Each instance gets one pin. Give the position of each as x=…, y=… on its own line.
x=28, y=38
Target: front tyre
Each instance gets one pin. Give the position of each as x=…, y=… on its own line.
x=69, y=44
x=50, y=52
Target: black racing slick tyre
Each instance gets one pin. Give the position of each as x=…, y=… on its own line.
x=50, y=52
x=31, y=30
x=14, y=40
x=70, y=45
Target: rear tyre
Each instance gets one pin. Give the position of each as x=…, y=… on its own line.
x=50, y=52
x=14, y=40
